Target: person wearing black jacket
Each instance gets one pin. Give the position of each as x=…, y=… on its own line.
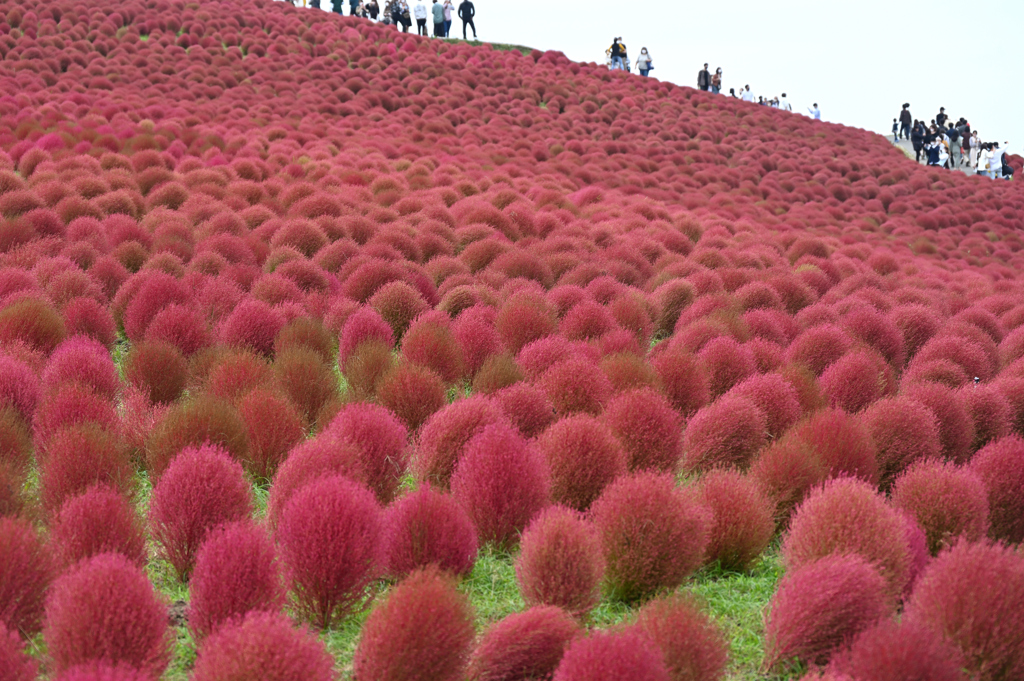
x=917, y=138
x=905, y=122
x=940, y=119
x=704, y=79
x=466, y=13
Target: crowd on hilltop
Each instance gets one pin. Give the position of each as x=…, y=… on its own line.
x=400, y=14
x=951, y=145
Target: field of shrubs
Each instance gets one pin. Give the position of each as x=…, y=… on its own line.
x=328, y=352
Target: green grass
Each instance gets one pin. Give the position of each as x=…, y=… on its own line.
x=498, y=46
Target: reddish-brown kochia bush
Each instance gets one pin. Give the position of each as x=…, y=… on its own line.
x=363, y=325
x=232, y=373
x=694, y=647
x=253, y=324
x=560, y=562
x=840, y=443
x=990, y=411
x=523, y=645
x=87, y=317
x=381, y=440
x=98, y=521
x=15, y=663
x=683, y=380
x=195, y=423
x=157, y=368
x=956, y=428
x=325, y=455
x=818, y=347
x=1000, y=465
x=649, y=429
x=527, y=407
x=306, y=379
x=236, y=572
x=202, y=488
x=497, y=372
x=742, y=518
x=104, y=609
x=726, y=363
x=576, y=386
x=776, y=397
x=398, y=304
x=970, y=595
x=653, y=535
x=263, y=645
x=79, y=457
x=847, y=516
x=26, y=569
x=607, y=655
x=424, y=630
x=183, y=326
x=273, y=427
x=306, y=332
x=502, y=482
x=821, y=605
x=947, y=501
x=81, y=360
x=855, y=380
x=906, y=650
x=429, y=342
x=583, y=456
x=366, y=367
x=444, y=436
x=523, y=318
x=904, y=431
x=71, y=406
x=32, y=321
x=19, y=388
x=728, y=432
x=328, y=534
x=412, y=392
x=427, y=527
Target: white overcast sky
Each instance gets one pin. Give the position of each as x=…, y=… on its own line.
x=858, y=60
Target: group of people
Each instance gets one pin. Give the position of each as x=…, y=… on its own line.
x=951, y=145
x=618, y=59
x=398, y=13
x=712, y=82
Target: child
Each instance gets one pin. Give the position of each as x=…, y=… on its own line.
x=895, y=131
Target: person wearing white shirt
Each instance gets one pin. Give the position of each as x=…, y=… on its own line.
x=747, y=95
x=784, y=103
x=815, y=111
x=420, y=12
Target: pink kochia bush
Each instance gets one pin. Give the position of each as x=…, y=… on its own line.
x=1000, y=465
x=236, y=572
x=85, y=361
x=727, y=432
x=560, y=562
x=906, y=650
x=971, y=596
x=444, y=436
x=649, y=429
x=427, y=527
x=742, y=518
x=104, y=609
x=609, y=655
x=328, y=535
x=524, y=645
x=79, y=457
x=821, y=605
x=652, y=534
x=412, y=392
x=380, y=438
x=266, y=646
x=98, y=521
x=202, y=488
x=947, y=501
x=423, y=631
x=15, y=664
x=583, y=456
x=26, y=569
x=502, y=483
x=904, y=431
x=694, y=647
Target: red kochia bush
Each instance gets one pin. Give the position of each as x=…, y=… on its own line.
x=1000, y=465
x=205, y=419
x=742, y=518
x=776, y=397
x=904, y=431
x=818, y=347
x=306, y=380
x=430, y=343
x=73, y=405
x=79, y=457
x=158, y=368
x=839, y=442
x=103, y=671
x=523, y=318
x=897, y=651
x=502, y=483
x=990, y=411
x=524, y=645
x=560, y=562
x=609, y=655
x=85, y=361
x=202, y=488
x=947, y=501
x=15, y=664
x=427, y=527
x=726, y=363
x=104, y=609
x=727, y=432
x=956, y=428
x=694, y=647
x=325, y=455
x=575, y=386
x=821, y=605
x=264, y=646
x=381, y=440
x=649, y=429
x=583, y=456
x=971, y=596
x=98, y=521
x=33, y=322
x=236, y=572
x=683, y=379
x=253, y=324
x=424, y=630
x=652, y=535
x=847, y=516
x=412, y=392
x=26, y=569
x=87, y=317
x=273, y=426
x=444, y=436
x=398, y=304
x=363, y=325
x=855, y=380
x=527, y=407
x=328, y=534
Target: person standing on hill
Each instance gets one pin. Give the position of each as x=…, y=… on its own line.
x=336, y=6
x=421, y=18
x=704, y=79
x=466, y=13
x=784, y=104
x=906, y=120
x=437, y=10
x=953, y=137
x=448, y=7
x=940, y=119
x=815, y=112
x=617, y=52
x=716, y=81
x=917, y=139
x=746, y=95
x=643, y=62
x=372, y=10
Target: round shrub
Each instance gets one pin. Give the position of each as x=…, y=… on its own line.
x=840, y=442
x=694, y=647
x=855, y=380
x=906, y=650
x=71, y=406
x=610, y=655
x=26, y=569
x=234, y=372
x=990, y=412
x=727, y=432
x=236, y=572
x=204, y=419
x=307, y=381
x=424, y=630
x=429, y=342
x=970, y=595
x=182, y=326
x=649, y=429
x=523, y=318
x=956, y=428
x=881, y=333
x=104, y=609
x=742, y=519
x=947, y=501
x=87, y=317
x=201, y=488
x=427, y=527
x=252, y=324
x=847, y=516
x=560, y=562
x=475, y=333
x=273, y=427
x=786, y=472
x=103, y=671
x=444, y=436
x=33, y=322
x=583, y=456
x=773, y=395
x=412, y=392
x=306, y=332
x=904, y=431
x=726, y=362
x=328, y=535
x=527, y=407
x=79, y=457
x=366, y=367
x=523, y=645
x=266, y=646
x=15, y=442
x=158, y=369
x=1000, y=465
x=497, y=372
x=363, y=325
x=98, y=521
x=821, y=605
x=502, y=483
x=85, y=361
x=323, y=456
x=381, y=440
x=154, y=290
x=653, y=536
x=576, y=386
x=818, y=347
x=15, y=663
x=683, y=380
x=398, y=304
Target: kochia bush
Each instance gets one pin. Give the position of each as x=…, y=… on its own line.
x=14, y=661
x=1000, y=465
x=523, y=645
x=158, y=368
x=727, y=432
x=412, y=392
x=98, y=521
x=742, y=518
x=906, y=650
x=904, y=431
x=947, y=501
x=444, y=436
x=694, y=647
x=427, y=527
x=79, y=457
x=583, y=456
x=607, y=655
x=381, y=440
x=649, y=429
x=26, y=569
